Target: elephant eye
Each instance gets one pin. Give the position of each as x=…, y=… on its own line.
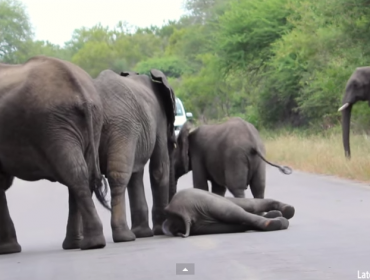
x=355, y=85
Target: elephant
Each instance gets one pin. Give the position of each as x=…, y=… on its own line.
x=139, y=114
x=198, y=212
x=357, y=89
x=50, y=125
x=229, y=154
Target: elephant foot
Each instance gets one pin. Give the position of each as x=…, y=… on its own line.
x=273, y=214
x=278, y=223
x=70, y=243
x=93, y=242
x=142, y=231
x=123, y=235
x=157, y=230
x=284, y=222
x=10, y=248
x=288, y=211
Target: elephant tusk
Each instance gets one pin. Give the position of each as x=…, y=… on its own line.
x=343, y=107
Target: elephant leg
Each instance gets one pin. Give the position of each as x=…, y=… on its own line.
x=200, y=180
x=231, y=213
x=73, y=172
x=218, y=189
x=159, y=168
x=236, y=178
x=138, y=205
x=8, y=236
x=258, y=181
x=119, y=169
x=258, y=205
x=74, y=231
x=272, y=214
x=219, y=228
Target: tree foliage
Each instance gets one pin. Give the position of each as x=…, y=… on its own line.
x=15, y=30
x=272, y=62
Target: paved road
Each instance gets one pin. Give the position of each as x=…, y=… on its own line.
x=329, y=238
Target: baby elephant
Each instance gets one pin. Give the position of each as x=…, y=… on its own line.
x=229, y=155
x=196, y=212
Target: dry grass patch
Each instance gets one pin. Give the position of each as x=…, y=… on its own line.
x=321, y=154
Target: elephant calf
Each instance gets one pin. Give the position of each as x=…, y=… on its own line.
x=196, y=212
x=229, y=155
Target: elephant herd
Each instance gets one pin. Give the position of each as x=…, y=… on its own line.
x=90, y=134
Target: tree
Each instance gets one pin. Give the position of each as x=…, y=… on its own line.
x=15, y=30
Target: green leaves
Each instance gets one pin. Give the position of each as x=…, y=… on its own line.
x=15, y=30
x=171, y=66
x=247, y=29
x=272, y=62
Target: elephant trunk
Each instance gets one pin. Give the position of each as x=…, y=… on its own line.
x=172, y=180
x=346, y=118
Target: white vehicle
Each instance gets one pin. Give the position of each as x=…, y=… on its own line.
x=181, y=117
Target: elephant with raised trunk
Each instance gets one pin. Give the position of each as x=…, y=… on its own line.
x=139, y=115
x=50, y=125
x=357, y=89
x=197, y=212
x=229, y=154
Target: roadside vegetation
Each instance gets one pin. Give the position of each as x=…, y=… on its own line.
x=320, y=153
x=280, y=64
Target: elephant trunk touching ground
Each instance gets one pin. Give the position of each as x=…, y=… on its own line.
x=172, y=180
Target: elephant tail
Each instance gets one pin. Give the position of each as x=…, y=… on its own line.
x=284, y=169
x=168, y=98
x=97, y=180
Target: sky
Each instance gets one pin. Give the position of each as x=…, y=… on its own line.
x=55, y=20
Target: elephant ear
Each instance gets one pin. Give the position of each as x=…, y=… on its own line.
x=183, y=142
x=178, y=218
x=128, y=73
x=168, y=98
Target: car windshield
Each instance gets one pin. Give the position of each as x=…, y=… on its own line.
x=179, y=111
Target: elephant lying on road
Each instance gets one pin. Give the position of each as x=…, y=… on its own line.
x=357, y=89
x=50, y=125
x=196, y=212
x=139, y=114
x=229, y=155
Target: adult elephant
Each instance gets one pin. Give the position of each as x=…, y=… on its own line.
x=357, y=89
x=50, y=125
x=197, y=212
x=230, y=155
x=139, y=114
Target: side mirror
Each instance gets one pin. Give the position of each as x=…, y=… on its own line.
x=189, y=115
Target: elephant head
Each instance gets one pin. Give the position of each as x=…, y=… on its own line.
x=181, y=155
x=173, y=226
x=357, y=89
x=176, y=223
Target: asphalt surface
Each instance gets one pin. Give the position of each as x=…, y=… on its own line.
x=328, y=238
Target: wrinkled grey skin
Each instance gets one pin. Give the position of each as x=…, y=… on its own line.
x=229, y=155
x=139, y=114
x=197, y=212
x=50, y=124
x=357, y=89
